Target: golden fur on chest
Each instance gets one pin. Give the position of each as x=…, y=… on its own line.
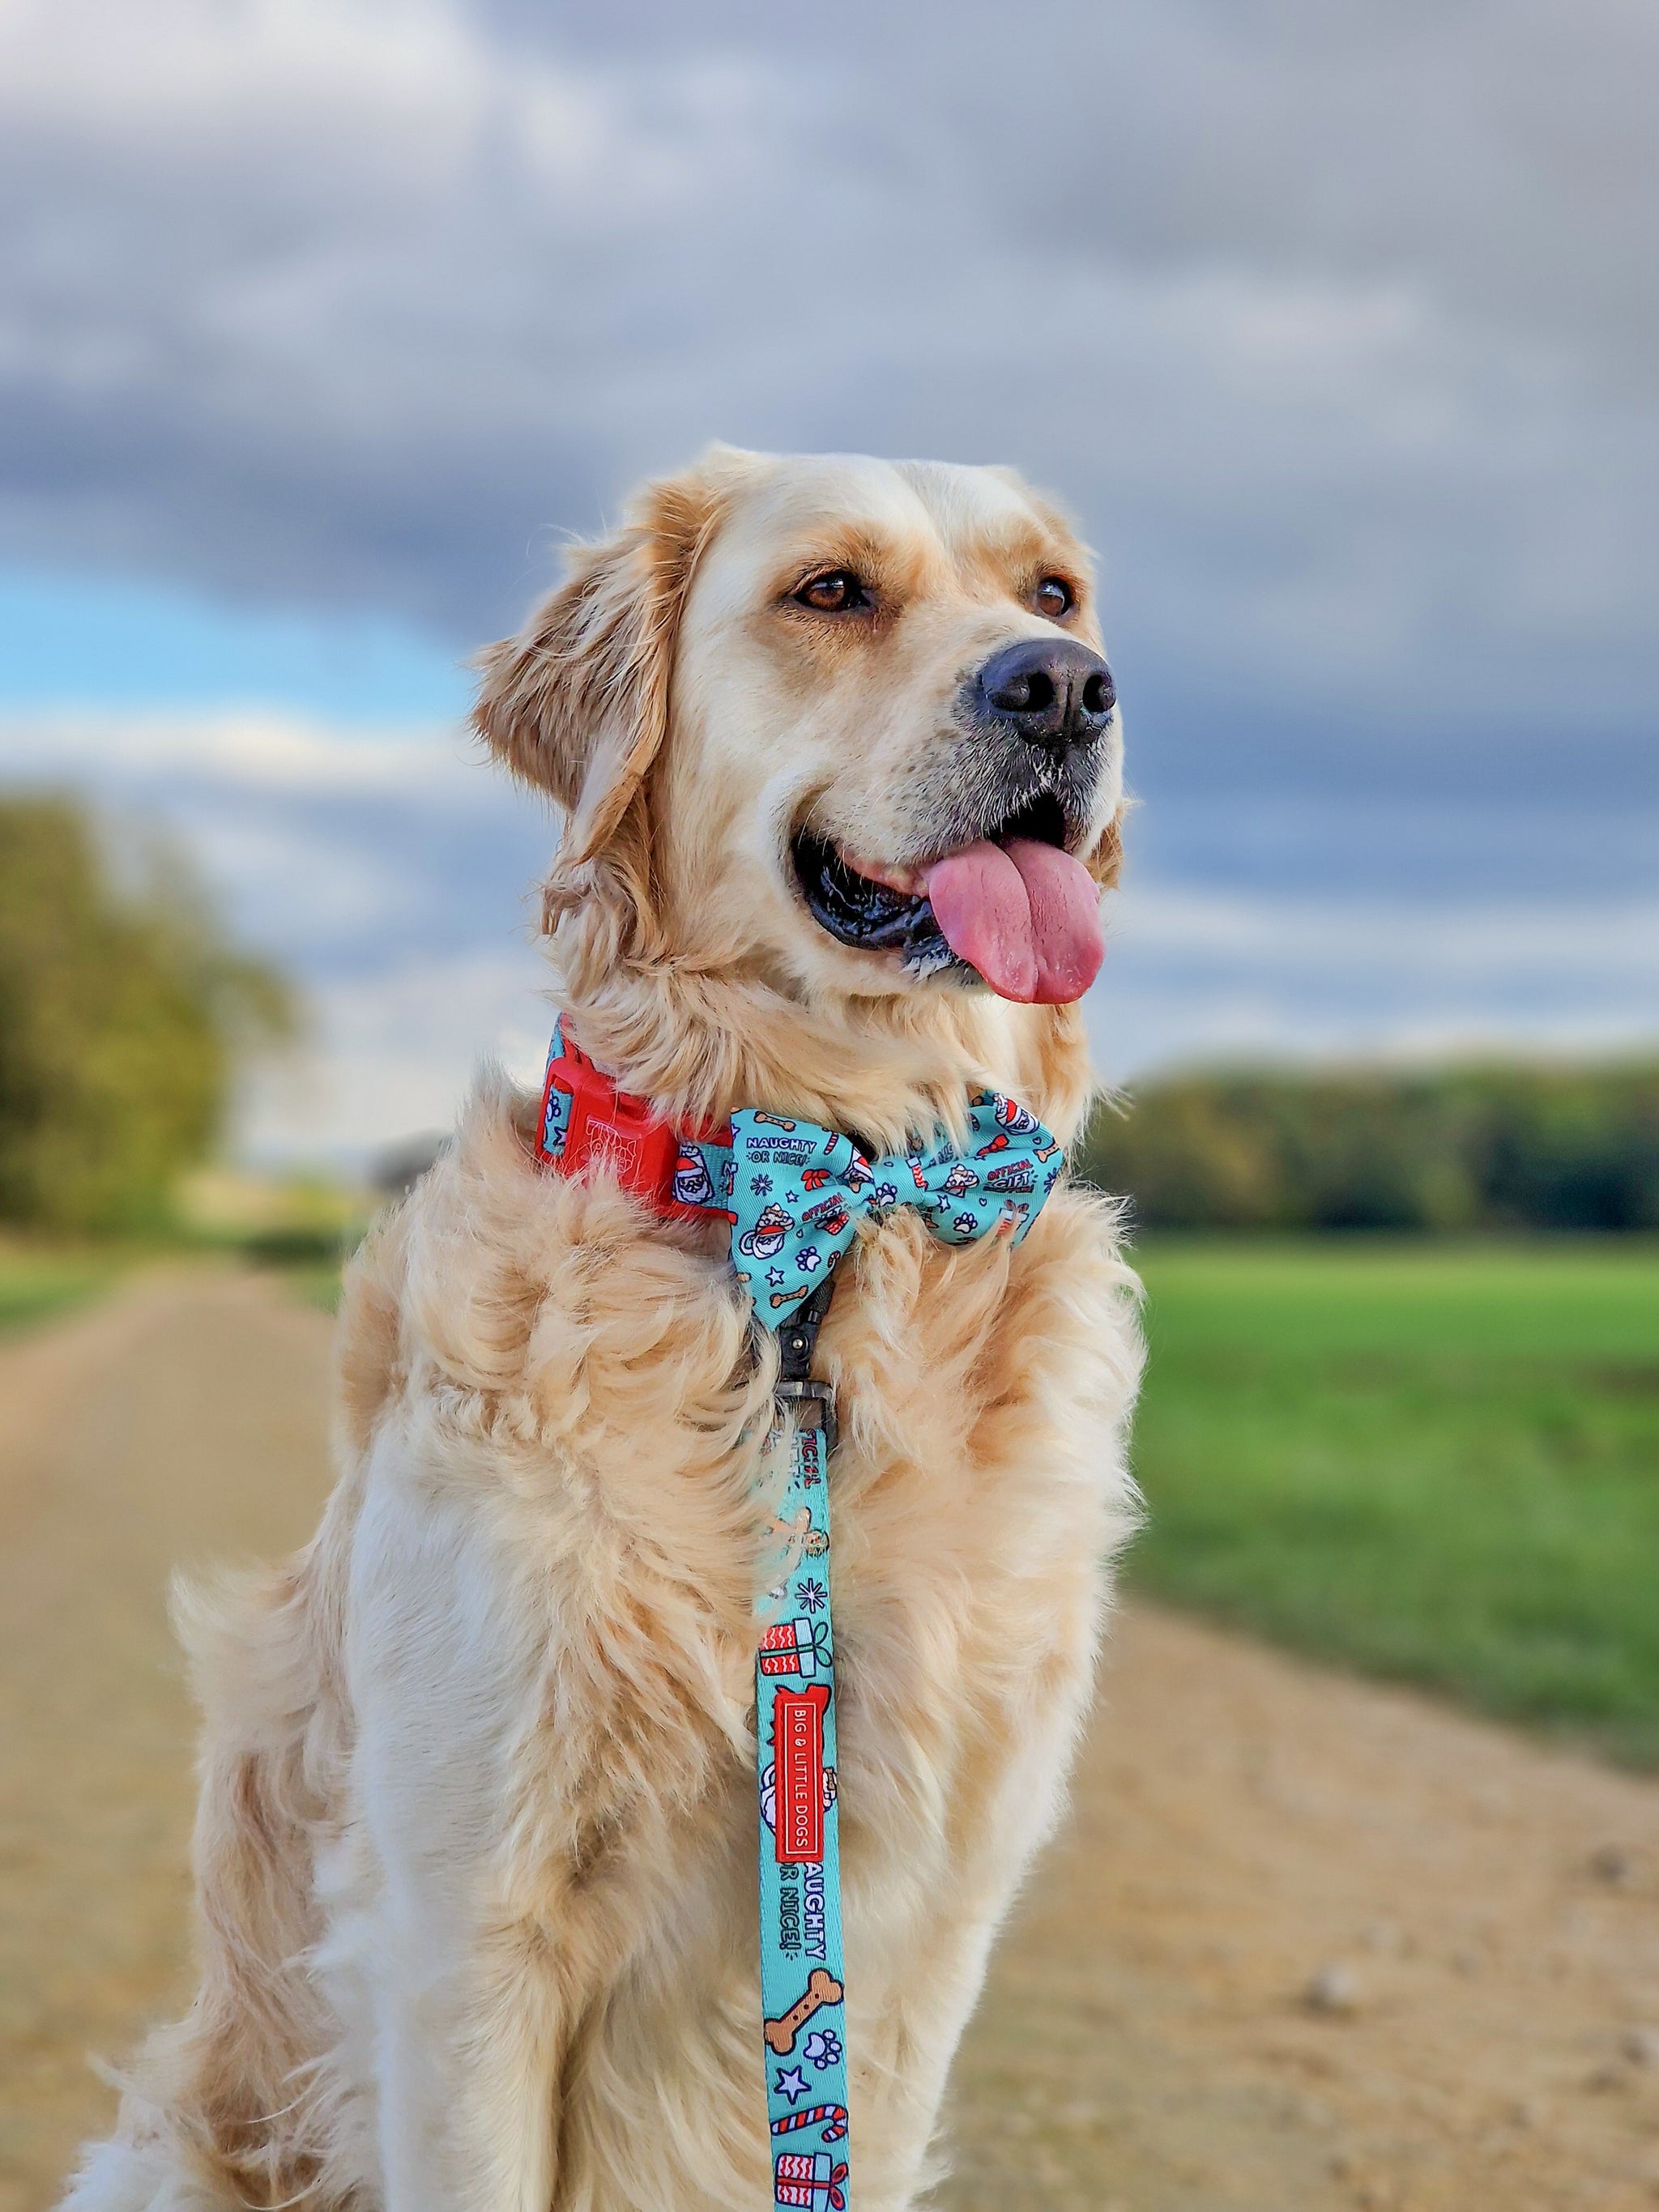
x=980, y=1392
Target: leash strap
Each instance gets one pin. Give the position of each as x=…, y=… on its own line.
x=793, y=1193
x=803, y=1972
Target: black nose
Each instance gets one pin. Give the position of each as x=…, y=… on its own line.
x=1053, y=691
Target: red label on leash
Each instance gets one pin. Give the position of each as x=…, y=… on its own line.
x=798, y=1760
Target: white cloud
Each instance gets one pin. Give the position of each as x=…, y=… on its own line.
x=1347, y=938
x=393, y=1053
x=249, y=752
x=1195, y=976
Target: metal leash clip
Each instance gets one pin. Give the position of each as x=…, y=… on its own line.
x=796, y=1341
x=808, y=1393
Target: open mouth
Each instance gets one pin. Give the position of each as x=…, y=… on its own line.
x=1013, y=910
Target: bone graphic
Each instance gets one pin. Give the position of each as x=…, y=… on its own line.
x=786, y=1297
x=821, y=1990
x=774, y=1121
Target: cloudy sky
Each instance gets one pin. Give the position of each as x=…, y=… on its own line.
x=323, y=322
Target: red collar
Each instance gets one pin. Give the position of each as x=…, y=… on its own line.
x=611, y=1126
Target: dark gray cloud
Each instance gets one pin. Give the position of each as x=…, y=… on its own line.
x=1336, y=326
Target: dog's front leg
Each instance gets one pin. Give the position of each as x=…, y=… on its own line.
x=465, y=2005
x=467, y=2065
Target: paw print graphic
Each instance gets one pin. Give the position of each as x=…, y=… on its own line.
x=822, y=2048
x=809, y=1259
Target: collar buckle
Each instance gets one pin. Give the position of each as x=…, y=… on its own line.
x=609, y=1130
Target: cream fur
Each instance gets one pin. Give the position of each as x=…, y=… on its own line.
x=474, y=1855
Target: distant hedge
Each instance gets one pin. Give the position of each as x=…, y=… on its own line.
x=1483, y=1147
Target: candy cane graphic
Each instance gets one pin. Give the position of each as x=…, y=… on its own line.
x=833, y=2116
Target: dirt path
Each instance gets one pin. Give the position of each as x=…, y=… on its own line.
x=1491, y=1914
x=183, y=1419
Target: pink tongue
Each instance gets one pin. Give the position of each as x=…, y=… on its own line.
x=1026, y=915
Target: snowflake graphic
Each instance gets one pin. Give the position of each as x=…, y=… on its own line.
x=822, y=2048
x=761, y=1185
x=813, y=1595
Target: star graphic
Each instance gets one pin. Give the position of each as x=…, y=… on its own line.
x=775, y=1276
x=791, y=2083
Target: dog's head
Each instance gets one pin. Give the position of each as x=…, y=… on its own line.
x=832, y=735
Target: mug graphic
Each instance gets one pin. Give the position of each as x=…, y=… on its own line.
x=1011, y=1116
x=765, y=1239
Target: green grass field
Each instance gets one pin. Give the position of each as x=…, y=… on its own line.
x=1435, y=1463
x=38, y=1281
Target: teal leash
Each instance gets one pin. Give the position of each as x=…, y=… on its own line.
x=803, y=1968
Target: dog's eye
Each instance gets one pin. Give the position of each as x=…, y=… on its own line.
x=836, y=592
x=1054, y=599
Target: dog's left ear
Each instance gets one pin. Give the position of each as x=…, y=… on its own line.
x=578, y=703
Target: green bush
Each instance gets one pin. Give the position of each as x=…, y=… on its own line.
x=1472, y=1148
x=122, y=1011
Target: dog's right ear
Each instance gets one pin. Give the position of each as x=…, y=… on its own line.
x=578, y=702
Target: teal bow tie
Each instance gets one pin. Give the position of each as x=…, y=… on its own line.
x=796, y=1193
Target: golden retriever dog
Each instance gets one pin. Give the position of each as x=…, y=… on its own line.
x=839, y=764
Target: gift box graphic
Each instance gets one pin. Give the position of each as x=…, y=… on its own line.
x=794, y=1647
x=812, y=2179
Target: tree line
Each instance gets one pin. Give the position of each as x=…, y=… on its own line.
x=125, y=1010
x=1489, y=1146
